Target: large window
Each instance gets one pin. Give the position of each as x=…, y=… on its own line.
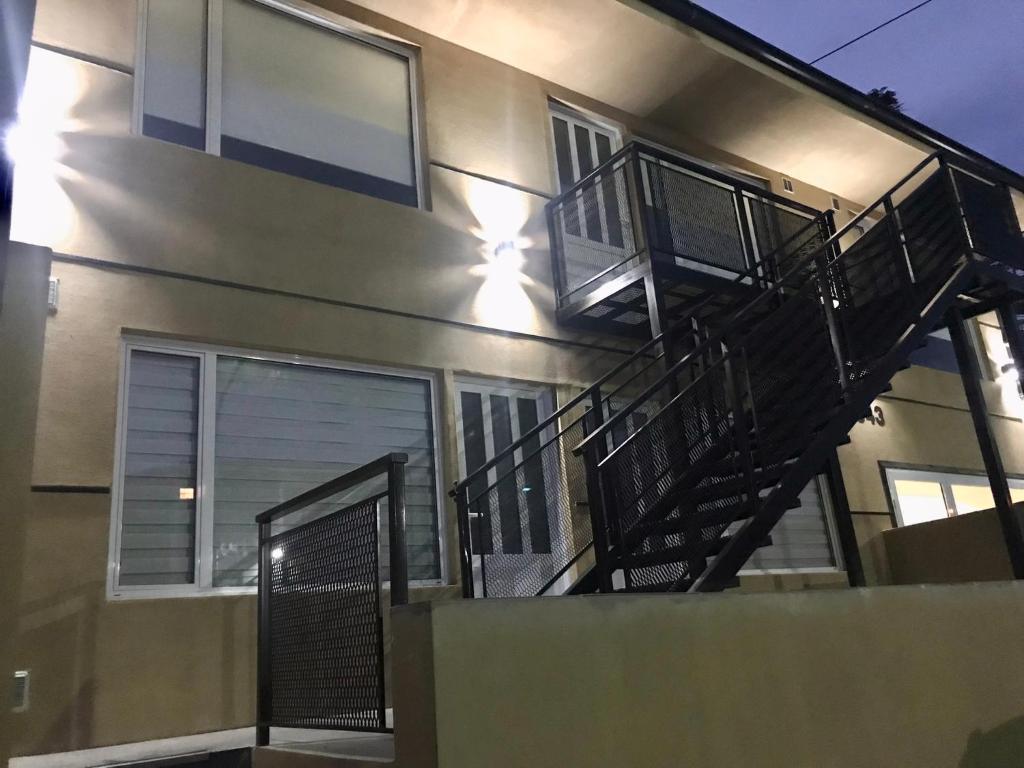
x=264, y=83
x=921, y=495
x=209, y=439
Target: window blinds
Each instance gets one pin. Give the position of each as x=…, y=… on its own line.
x=160, y=462
x=282, y=429
x=800, y=539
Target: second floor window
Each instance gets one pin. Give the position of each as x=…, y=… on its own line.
x=256, y=81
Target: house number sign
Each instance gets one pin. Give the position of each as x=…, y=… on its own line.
x=875, y=415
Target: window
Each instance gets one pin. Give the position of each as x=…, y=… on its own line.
x=919, y=495
x=803, y=538
x=208, y=439
x=264, y=83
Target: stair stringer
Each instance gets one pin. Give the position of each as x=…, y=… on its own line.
x=747, y=538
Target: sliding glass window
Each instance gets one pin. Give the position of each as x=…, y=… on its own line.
x=922, y=495
x=265, y=83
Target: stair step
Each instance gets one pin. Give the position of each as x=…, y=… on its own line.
x=680, y=554
x=666, y=586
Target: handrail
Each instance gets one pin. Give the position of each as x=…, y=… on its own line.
x=332, y=487
x=585, y=395
x=639, y=146
x=718, y=338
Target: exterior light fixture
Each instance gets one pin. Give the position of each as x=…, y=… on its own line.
x=1009, y=369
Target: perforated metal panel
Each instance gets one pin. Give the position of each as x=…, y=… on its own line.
x=326, y=640
x=990, y=219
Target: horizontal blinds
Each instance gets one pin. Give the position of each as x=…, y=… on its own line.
x=282, y=429
x=174, y=100
x=160, y=449
x=314, y=96
x=800, y=539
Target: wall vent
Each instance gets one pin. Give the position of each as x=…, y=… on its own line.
x=20, y=692
x=787, y=184
x=53, y=294
x=835, y=203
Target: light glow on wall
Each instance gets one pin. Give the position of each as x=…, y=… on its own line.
x=501, y=213
x=42, y=212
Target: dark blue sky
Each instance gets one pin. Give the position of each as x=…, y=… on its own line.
x=957, y=65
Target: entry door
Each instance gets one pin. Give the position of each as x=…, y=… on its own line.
x=582, y=145
x=512, y=523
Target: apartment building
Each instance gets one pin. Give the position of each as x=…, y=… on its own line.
x=258, y=244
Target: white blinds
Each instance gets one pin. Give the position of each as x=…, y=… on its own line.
x=800, y=539
x=160, y=450
x=313, y=93
x=282, y=429
x=174, y=100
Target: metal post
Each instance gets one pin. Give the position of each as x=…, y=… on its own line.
x=831, y=318
x=396, y=534
x=592, y=457
x=954, y=192
x=465, y=542
x=971, y=378
x=264, y=682
x=844, y=522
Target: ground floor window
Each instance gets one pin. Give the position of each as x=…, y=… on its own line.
x=803, y=540
x=207, y=439
x=921, y=495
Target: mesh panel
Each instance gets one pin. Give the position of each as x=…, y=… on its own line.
x=991, y=219
x=326, y=641
x=783, y=237
x=593, y=232
x=694, y=218
x=931, y=231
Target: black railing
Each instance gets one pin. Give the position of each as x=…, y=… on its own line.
x=320, y=657
x=727, y=430
x=646, y=204
x=494, y=500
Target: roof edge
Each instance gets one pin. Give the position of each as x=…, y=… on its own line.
x=706, y=22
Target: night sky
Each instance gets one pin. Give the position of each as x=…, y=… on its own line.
x=957, y=65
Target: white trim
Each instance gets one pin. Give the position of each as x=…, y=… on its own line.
x=139, y=72
x=207, y=355
x=213, y=81
x=305, y=12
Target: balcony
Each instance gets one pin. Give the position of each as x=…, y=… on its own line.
x=648, y=230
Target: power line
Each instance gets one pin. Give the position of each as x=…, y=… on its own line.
x=872, y=31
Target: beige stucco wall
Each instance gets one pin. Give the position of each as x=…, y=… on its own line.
x=907, y=676
x=108, y=672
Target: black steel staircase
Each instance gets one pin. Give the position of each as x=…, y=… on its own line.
x=672, y=469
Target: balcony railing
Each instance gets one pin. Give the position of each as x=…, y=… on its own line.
x=645, y=205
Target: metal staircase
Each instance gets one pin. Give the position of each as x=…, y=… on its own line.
x=673, y=468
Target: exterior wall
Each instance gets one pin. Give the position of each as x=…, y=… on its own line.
x=145, y=230
x=908, y=676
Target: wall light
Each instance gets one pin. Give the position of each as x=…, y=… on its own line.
x=276, y=553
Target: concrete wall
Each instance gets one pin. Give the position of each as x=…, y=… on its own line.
x=907, y=676
x=950, y=551
x=142, y=228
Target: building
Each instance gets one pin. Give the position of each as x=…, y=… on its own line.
x=256, y=244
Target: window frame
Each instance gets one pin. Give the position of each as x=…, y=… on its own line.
x=207, y=354
x=944, y=477
x=303, y=12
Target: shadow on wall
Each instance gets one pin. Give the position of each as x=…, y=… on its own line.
x=1001, y=747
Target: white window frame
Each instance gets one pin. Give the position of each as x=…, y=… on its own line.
x=302, y=11
x=831, y=531
x=205, y=500
x=944, y=478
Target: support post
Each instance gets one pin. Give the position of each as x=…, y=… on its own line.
x=844, y=522
x=399, y=564
x=465, y=542
x=971, y=378
x=1012, y=332
x=264, y=687
x=592, y=457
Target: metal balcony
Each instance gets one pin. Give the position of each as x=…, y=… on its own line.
x=647, y=230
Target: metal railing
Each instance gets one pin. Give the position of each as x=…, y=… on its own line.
x=647, y=204
x=494, y=499
x=320, y=656
x=722, y=425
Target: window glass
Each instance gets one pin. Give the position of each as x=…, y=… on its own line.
x=283, y=429
x=920, y=501
x=273, y=431
x=158, y=492
x=174, y=100
x=295, y=96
